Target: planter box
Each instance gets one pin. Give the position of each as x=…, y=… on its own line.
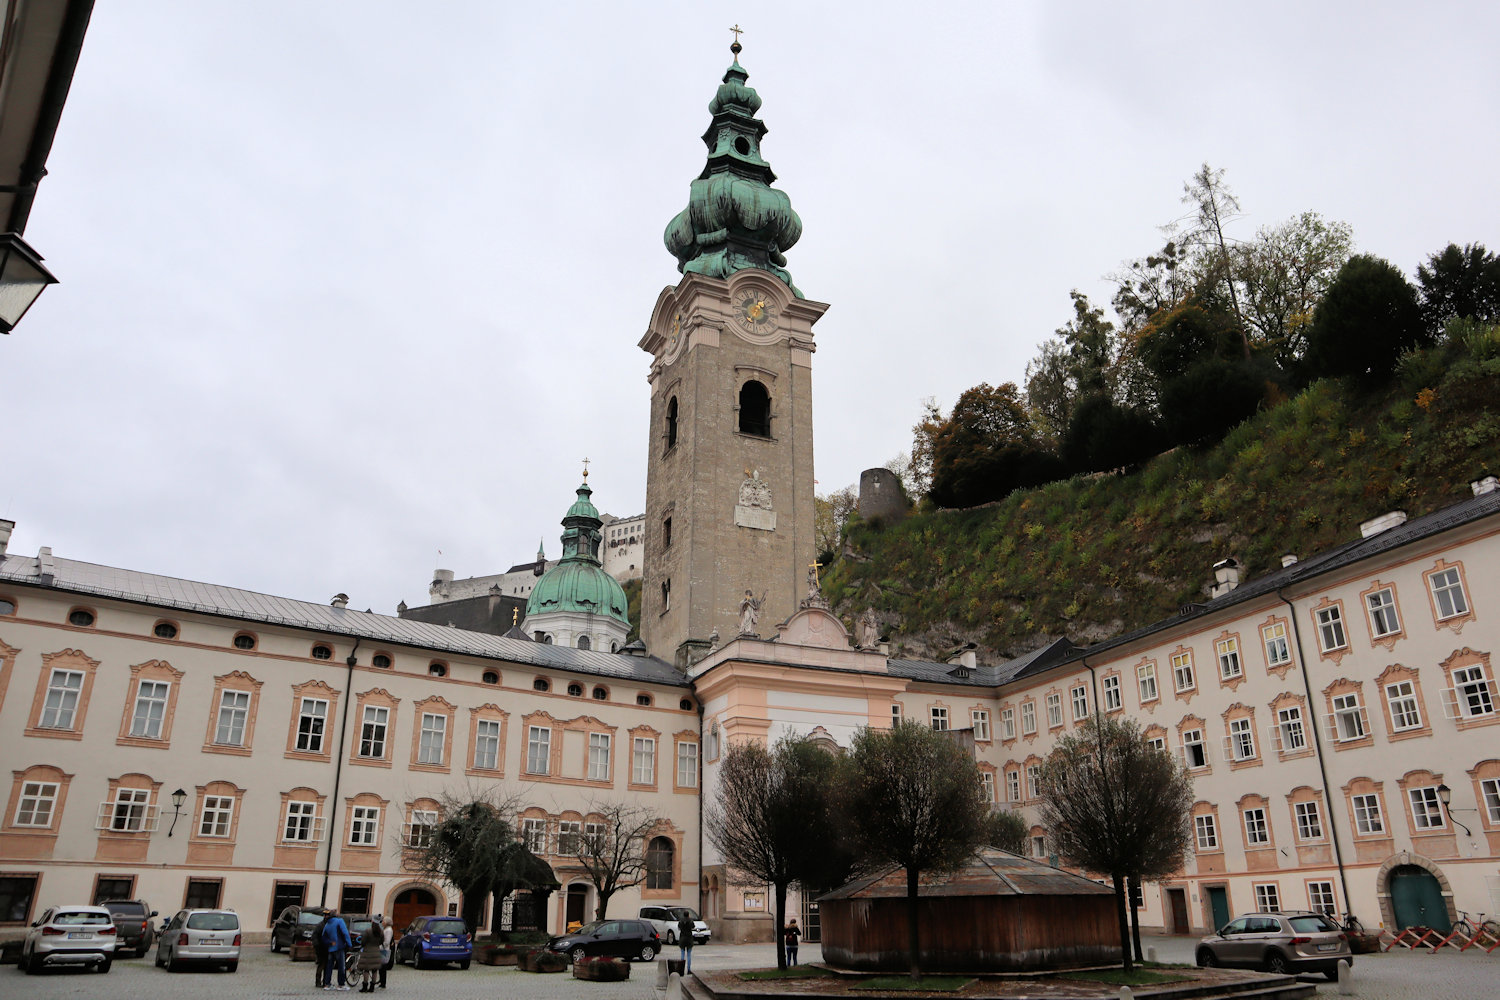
x=1364, y=944
x=540, y=960
x=601, y=972
x=498, y=955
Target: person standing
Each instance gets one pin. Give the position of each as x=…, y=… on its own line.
x=320, y=952
x=388, y=951
x=371, y=955
x=790, y=938
x=685, y=942
x=337, y=942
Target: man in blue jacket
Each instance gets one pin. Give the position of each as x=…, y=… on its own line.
x=336, y=939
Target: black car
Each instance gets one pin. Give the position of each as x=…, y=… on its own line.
x=627, y=939
x=132, y=919
x=294, y=929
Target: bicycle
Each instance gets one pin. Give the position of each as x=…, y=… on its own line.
x=1487, y=928
x=1350, y=924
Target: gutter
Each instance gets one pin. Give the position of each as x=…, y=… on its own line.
x=1317, y=730
x=338, y=769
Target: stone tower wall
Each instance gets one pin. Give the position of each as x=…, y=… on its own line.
x=881, y=496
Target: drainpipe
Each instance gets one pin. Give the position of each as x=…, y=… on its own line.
x=1333, y=834
x=338, y=768
x=702, y=776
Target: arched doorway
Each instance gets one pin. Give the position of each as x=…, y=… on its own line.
x=576, y=907
x=1417, y=899
x=409, y=905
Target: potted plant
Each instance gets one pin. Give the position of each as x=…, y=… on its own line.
x=601, y=969
x=498, y=954
x=541, y=960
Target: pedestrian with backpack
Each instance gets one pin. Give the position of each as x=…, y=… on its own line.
x=320, y=952
x=336, y=939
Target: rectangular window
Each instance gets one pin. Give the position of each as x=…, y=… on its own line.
x=1289, y=727
x=1330, y=629
x=1309, y=821
x=1278, y=650
x=593, y=837
x=1145, y=675
x=423, y=828
x=895, y=715
x=1157, y=743
x=16, y=895
x=129, y=812
x=1241, y=740
x=1426, y=808
x=1182, y=671
x=1033, y=781
x=1028, y=718
x=1112, y=699
x=487, y=744
x=38, y=799
x=1405, y=713
x=538, y=749
x=1490, y=789
x=1054, y=710
x=1080, y=703
x=569, y=838
x=203, y=894
x=434, y=730
x=988, y=781
x=234, y=708
x=643, y=761
x=310, y=721
x=1256, y=831
x=63, y=689
x=1228, y=651
x=599, y=756
x=1348, y=718
x=107, y=888
x=218, y=810
x=1320, y=898
x=301, y=822
x=1367, y=817
x=1448, y=593
x=1208, y=834
x=363, y=823
x=1267, y=898
x=1471, y=693
x=1008, y=723
x=372, y=731
x=981, y=721
x=1038, y=847
x=1194, y=753
x=1382, y=608
x=150, y=709
x=534, y=835
x=1013, y=785
x=687, y=765
x=939, y=718
x=354, y=898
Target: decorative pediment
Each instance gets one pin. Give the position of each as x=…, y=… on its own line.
x=813, y=627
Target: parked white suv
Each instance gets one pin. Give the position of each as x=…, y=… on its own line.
x=665, y=919
x=70, y=935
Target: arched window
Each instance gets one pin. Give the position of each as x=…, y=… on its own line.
x=659, y=854
x=583, y=642
x=672, y=422
x=575, y=690
x=755, y=409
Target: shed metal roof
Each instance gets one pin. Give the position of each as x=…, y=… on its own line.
x=990, y=872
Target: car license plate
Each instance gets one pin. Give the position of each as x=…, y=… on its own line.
x=446, y=939
x=211, y=941
x=1330, y=946
x=80, y=935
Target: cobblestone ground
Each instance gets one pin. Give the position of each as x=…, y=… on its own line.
x=1396, y=976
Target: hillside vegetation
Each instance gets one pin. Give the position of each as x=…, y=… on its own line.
x=1092, y=556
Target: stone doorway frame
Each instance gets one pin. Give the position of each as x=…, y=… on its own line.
x=1383, y=885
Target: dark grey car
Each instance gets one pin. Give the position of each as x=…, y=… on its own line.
x=1278, y=942
x=133, y=924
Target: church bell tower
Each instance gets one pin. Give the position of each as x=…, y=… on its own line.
x=729, y=479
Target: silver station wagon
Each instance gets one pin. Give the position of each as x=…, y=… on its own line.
x=1278, y=942
x=200, y=937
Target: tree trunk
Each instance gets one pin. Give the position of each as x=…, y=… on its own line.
x=473, y=906
x=603, y=907
x=912, y=938
x=780, y=925
x=1134, y=885
x=1124, y=922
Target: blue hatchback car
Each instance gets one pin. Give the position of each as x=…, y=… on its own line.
x=433, y=941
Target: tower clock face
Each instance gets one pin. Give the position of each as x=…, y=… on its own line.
x=674, y=333
x=756, y=313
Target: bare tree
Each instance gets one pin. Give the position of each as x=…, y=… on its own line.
x=1115, y=805
x=917, y=801
x=1216, y=205
x=611, y=848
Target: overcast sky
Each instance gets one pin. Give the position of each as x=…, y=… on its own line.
x=345, y=284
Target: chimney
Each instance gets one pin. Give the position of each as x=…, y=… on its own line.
x=1290, y=559
x=340, y=601
x=1385, y=522
x=1226, y=577
x=1484, y=484
x=6, y=527
x=965, y=658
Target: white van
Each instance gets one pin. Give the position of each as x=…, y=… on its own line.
x=665, y=919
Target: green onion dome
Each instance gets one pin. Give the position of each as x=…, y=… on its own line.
x=578, y=581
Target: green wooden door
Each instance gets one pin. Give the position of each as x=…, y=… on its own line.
x=1417, y=899
x=1218, y=903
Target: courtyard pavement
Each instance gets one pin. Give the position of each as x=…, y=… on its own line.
x=1396, y=976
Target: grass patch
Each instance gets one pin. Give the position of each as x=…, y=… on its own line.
x=927, y=984
x=795, y=972
x=1135, y=977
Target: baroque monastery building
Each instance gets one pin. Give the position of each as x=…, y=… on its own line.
x=198, y=745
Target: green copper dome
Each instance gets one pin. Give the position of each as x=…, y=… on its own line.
x=578, y=582
x=734, y=219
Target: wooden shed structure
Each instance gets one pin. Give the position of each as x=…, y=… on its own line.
x=998, y=913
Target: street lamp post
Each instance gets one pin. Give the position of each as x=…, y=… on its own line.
x=22, y=279
x=178, y=798
x=1445, y=796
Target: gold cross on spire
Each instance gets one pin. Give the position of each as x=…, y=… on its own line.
x=815, y=566
x=738, y=31
x=585, y=467
x=515, y=616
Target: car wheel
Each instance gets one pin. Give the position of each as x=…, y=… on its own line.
x=232, y=966
x=464, y=964
x=416, y=960
x=671, y=937
x=648, y=953
x=104, y=966
x=1276, y=962
x=23, y=962
x=1207, y=959
x=1332, y=974
x=159, y=962
x=173, y=965
x=275, y=944
x=577, y=954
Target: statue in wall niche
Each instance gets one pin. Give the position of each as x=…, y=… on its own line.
x=750, y=612
x=867, y=630
x=755, y=491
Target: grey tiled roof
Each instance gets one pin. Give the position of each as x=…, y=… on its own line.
x=931, y=672
x=72, y=576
